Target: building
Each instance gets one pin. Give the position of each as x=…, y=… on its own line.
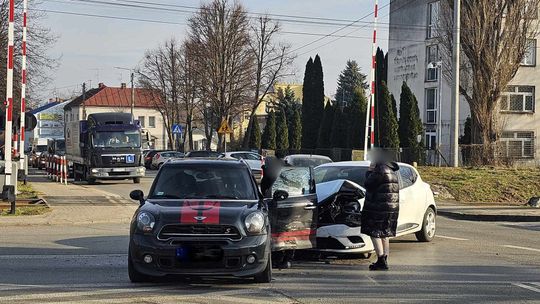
x=50, y=122
x=118, y=99
x=413, y=57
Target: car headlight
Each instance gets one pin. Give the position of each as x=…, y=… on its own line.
x=146, y=221
x=254, y=222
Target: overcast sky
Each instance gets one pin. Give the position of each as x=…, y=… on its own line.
x=90, y=47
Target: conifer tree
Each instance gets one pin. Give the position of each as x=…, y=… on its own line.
x=349, y=81
x=357, y=120
x=255, y=138
x=314, y=109
x=410, y=125
x=282, y=133
x=268, y=140
x=388, y=134
x=307, y=104
x=323, y=140
x=295, y=131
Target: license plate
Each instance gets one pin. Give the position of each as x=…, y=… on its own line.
x=118, y=170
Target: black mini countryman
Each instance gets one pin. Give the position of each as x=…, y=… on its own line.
x=207, y=217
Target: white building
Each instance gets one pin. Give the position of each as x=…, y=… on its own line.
x=413, y=49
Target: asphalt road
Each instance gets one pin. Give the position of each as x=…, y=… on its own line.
x=468, y=262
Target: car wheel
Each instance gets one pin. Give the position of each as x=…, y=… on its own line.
x=428, y=226
x=266, y=275
x=159, y=166
x=134, y=275
x=137, y=180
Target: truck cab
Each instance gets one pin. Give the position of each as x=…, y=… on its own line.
x=106, y=146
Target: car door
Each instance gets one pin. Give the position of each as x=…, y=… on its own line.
x=293, y=217
x=409, y=200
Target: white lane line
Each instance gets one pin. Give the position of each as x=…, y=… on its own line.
x=527, y=287
x=523, y=248
x=451, y=238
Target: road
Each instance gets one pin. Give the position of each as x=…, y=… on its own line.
x=467, y=262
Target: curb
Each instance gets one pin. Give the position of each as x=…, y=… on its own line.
x=488, y=217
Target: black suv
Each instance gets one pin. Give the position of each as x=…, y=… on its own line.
x=207, y=217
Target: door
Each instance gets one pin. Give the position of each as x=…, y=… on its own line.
x=293, y=220
x=409, y=200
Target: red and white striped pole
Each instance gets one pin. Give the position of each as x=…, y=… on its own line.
x=9, y=96
x=370, y=110
x=23, y=85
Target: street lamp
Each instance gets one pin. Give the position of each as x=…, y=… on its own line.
x=438, y=65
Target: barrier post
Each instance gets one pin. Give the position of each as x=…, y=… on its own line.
x=61, y=171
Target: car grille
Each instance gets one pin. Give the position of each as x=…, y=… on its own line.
x=201, y=231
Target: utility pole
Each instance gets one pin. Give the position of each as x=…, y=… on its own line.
x=83, y=100
x=455, y=85
x=132, y=96
x=9, y=98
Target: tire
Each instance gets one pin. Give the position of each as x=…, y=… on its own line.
x=428, y=226
x=134, y=275
x=136, y=180
x=159, y=166
x=266, y=275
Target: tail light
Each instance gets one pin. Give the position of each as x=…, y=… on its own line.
x=158, y=156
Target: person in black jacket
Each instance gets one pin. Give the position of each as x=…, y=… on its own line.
x=381, y=208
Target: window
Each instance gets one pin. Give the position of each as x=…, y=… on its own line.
x=432, y=57
x=295, y=180
x=432, y=19
x=518, y=99
x=529, y=59
x=431, y=106
x=355, y=174
x=141, y=121
x=431, y=140
x=518, y=144
x=151, y=122
x=407, y=176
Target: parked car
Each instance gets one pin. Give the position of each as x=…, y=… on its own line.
x=202, y=154
x=306, y=160
x=417, y=208
x=162, y=157
x=35, y=154
x=207, y=218
x=148, y=157
x=254, y=160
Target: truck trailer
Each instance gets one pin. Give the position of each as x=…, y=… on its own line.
x=105, y=146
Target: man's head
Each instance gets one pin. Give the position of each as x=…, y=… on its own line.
x=378, y=156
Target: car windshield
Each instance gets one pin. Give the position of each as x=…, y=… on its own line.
x=203, y=182
x=116, y=139
x=41, y=148
x=308, y=162
x=293, y=180
x=355, y=174
x=60, y=145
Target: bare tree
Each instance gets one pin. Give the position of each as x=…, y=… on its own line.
x=494, y=40
x=273, y=60
x=188, y=90
x=161, y=73
x=40, y=64
x=219, y=34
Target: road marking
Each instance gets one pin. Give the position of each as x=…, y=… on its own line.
x=523, y=248
x=527, y=287
x=451, y=238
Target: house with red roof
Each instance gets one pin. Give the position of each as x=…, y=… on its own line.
x=118, y=99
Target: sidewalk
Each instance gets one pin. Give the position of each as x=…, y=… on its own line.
x=74, y=205
x=488, y=212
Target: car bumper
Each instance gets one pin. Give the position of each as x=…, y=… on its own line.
x=117, y=173
x=343, y=239
x=231, y=262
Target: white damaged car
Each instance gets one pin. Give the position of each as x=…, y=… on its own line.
x=341, y=197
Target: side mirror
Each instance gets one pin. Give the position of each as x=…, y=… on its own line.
x=137, y=195
x=280, y=195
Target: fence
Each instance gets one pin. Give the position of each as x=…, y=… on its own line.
x=56, y=168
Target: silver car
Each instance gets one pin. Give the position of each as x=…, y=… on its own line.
x=254, y=160
x=162, y=157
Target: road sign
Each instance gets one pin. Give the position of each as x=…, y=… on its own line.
x=224, y=128
x=177, y=129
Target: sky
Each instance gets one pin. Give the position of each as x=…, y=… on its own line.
x=91, y=48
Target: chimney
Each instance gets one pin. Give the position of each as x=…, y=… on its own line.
x=101, y=85
x=123, y=85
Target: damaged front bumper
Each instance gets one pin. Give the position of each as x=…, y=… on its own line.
x=341, y=238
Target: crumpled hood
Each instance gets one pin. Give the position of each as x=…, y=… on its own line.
x=328, y=190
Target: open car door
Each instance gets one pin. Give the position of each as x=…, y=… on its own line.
x=293, y=210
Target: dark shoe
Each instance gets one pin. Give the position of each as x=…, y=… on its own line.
x=379, y=265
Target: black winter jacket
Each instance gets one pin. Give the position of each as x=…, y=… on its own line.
x=381, y=207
